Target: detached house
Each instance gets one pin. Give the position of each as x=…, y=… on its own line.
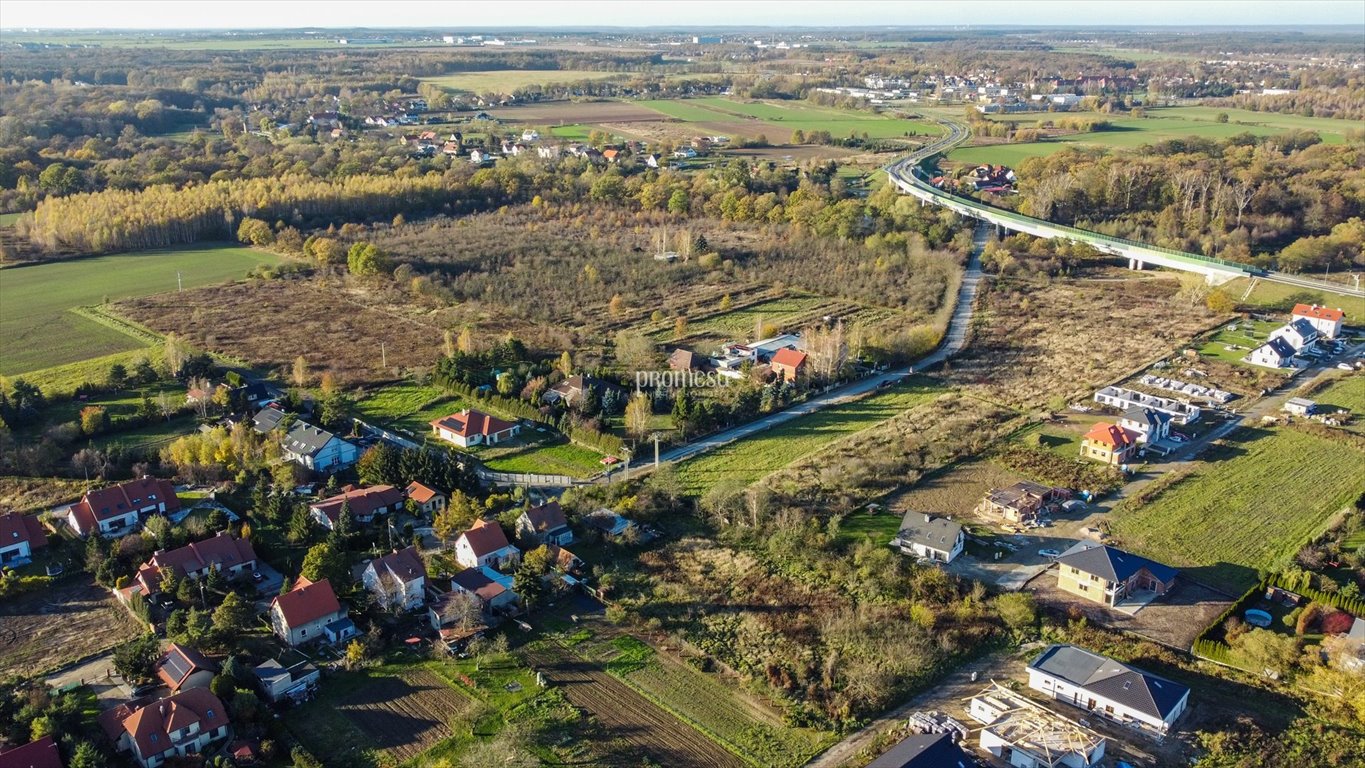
x=485, y=544
x=469, y=428
x=290, y=677
x=118, y=509
x=1019, y=503
x=933, y=538
x=545, y=524
x=429, y=501
x=1326, y=321
x=363, y=503
x=1276, y=353
x=1298, y=332
x=1108, y=575
x=317, y=449
x=399, y=578
x=788, y=363
x=310, y=612
x=177, y=726
x=1109, y=444
x=1149, y=424
x=183, y=667
x=231, y=557
x=491, y=594
x=1107, y=688
x=19, y=536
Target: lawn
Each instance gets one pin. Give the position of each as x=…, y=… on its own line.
x=561, y=458
x=1231, y=346
x=575, y=132
x=1161, y=124
x=1349, y=393
x=8, y=219
x=1281, y=297
x=1258, y=498
x=747, y=460
x=508, y=80
x=1061, y=437
x=40, y=332
x=64, y=379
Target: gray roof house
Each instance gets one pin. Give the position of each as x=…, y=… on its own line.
x=1108, y=688
x=1109, y=575
x=932, y=538
x=267, y=419
x=925, y=750
x=317, y=449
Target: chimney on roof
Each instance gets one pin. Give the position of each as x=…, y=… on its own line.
x=928, y=518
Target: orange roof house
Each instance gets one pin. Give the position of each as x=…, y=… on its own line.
x=1109, y=443
x=787, y=363
x=469, y=428
x=178, y=725
x=1327, y=321
x=118, y=509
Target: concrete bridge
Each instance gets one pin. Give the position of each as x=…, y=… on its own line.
x=907, y=175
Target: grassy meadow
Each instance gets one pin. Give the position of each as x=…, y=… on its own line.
x=507, y=80
x=1259, y=497
x=40, y=332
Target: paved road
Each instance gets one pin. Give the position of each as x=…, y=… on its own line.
x=954, y=340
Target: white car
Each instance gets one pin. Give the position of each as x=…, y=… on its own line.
x=1346, y=366
x=1050, y=554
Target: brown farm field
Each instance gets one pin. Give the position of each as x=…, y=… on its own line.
x=405, y=715
x=568, y=112
x=49, y=629
x=955, y=491
x=269, y=323
x=1034, y=341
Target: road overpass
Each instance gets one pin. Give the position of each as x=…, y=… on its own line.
x=907, y=175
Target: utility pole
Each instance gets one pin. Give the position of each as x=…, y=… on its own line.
x=383, y=356
x=179, y=283
x=655, y=436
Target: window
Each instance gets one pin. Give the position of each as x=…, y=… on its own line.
x=210, y=714
x=1084, y=587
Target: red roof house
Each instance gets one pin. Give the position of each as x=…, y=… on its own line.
x=184, y=667
x=1327, y=321
x=1109, y=443
x=469, y=428
x=364, y=504
x=116, y=510
x=306, y=612
x=787, y=363
x=19, y=536
x=428, y=500
x=484, y=544
x=35, y=754
x=231, y=556
x=183, y=723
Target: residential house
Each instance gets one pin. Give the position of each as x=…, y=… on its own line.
x=230, y=556
x=545, y=524
x=608, y=523
x=574, y=388
x=429, y=501
x=1300, y=406
x=40, y=753
x=363, y=503
x=479, y=156
x=491, y=592
x=686, y=153
x=1108, y=575
x=933, y=538
x=1149, y=424
x=325, y=120
x=268, y=419
x=611, y=155
x=925, y=750
x=1109, y=444
x=1107, y=688
x=1326, y=321
x=1122, y=399
x=547, y=151
x=181, y=725
x=652, y=161
x=317, y=449
x=309, y=612
x=398, y=578
x=118, y=509
x=530, y=134
x=1298, y=332
x=1024, y=734
x=19, y=536
x=685, y=360
x=1276, y=353
x=182, y=667
x=469, y=428
x=788, y=363
x=1020, y=503
x=290, y=677
x=485, y=544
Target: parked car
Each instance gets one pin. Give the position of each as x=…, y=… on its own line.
x=1346, y=366
x=1050, y=554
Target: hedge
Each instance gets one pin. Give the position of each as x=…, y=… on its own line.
x=1352, y=605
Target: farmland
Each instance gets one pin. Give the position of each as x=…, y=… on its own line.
x=45, y=334
x=1262, y=494
x=780, y=119
x=1349, y=393
x=44, y=630
x=508, y=80
x=1161, y=124
x=747, y=460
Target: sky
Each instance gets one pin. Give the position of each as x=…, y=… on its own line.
x=455, y=16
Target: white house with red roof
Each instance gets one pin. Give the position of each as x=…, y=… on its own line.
x=398, y=579
x=364, y=504
x=230, y=556
x=429, y=501
x=485, y=544
x=310, y=612
x=469, y=428
x=1327, y=321
x=19, y=536
x=176, y=726
x=118, y=509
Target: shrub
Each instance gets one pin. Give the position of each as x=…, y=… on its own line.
x=1308, y=619
x=1336, y=622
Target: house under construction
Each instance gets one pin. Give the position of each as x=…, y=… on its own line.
x=1028, y=735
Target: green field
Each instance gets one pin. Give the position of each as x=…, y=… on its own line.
x=749, y=459
x=562, y=458
x=1161, y=124
x=508, y=80
x=1249, y=335
x=39, y=332
x=1348, y=393
x=1281, y=297
x=64, y=379
x=1249, y=507
x=786, y=117
x=8, y=219
x=574, y=132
